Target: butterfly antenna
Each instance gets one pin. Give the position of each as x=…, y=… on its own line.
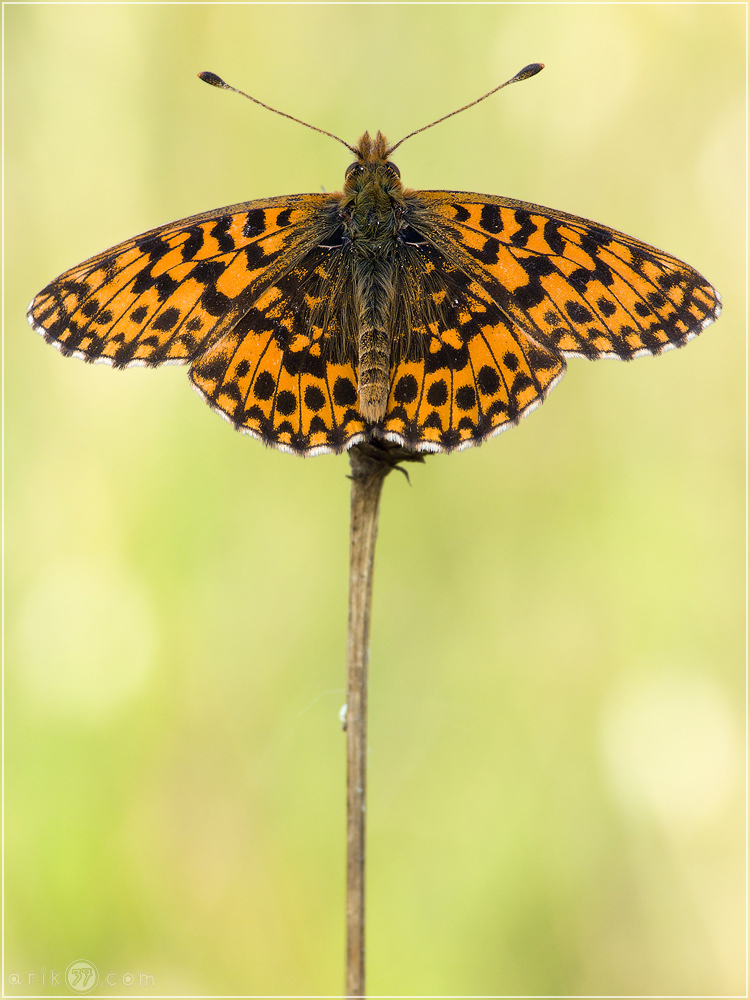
x=216, y=81
x=531, y=70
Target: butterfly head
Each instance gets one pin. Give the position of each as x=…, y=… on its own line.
x=372, y=177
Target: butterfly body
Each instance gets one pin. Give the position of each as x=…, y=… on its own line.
x=432, y=319
x=372, y=207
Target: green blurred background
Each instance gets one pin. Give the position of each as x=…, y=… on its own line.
x=556, y=732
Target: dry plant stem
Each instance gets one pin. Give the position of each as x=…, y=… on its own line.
x=370, y=464
x=367, y=480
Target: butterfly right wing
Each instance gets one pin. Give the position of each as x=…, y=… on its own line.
x=528, y=287
x=577, y=287
x=476, y=372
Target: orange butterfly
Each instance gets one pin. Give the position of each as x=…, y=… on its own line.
x=432, y=319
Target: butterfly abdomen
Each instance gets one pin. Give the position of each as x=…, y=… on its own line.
x=374, y=297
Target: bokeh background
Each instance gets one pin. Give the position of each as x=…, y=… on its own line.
x=556, y=732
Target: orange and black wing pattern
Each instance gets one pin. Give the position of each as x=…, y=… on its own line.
x=528, y=287
x=579, y=288
x=472, y=370
x=226, y=291
x=163, y=295
x=491, y=296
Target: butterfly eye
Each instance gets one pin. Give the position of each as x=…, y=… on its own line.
x=354, y=170
x=393, y=168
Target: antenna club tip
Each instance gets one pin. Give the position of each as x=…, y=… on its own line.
x=212, y=78
x=531, y=70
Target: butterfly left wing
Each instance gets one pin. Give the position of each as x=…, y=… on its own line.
x=283, y=373
x=578, y=288
x=229, y=291
x=162, y=296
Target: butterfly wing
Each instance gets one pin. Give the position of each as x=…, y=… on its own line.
x=528, y=287
x=162, y=296
x=218, y=290
x=472, y=371
x=578, y=288
x=282, y=373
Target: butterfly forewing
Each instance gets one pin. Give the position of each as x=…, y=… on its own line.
x=163, y=295
x=578, y=288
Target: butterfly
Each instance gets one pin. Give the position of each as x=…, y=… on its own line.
x=430, y=319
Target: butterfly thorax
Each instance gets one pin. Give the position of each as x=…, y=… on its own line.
x=371, y=206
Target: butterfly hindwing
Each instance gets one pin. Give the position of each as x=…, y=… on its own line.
x=277, y=374
x=473, y=371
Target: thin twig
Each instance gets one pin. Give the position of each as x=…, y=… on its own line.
x=370, y=464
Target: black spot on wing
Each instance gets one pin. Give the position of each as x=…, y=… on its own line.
x=437, y=394
x=488, y=381
x=527, y=227
x=215, y=303
x=139, y=314
x=220, y=232
x=406, y=389
x=166, y=320
x=577, y=312
x=255, y=223
x=491, y=218
x=165, y=286
x=314, y=399
x=208, y=272
x=465, y=397
x=286, y=403
x=344, y=392
x=264, y=386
